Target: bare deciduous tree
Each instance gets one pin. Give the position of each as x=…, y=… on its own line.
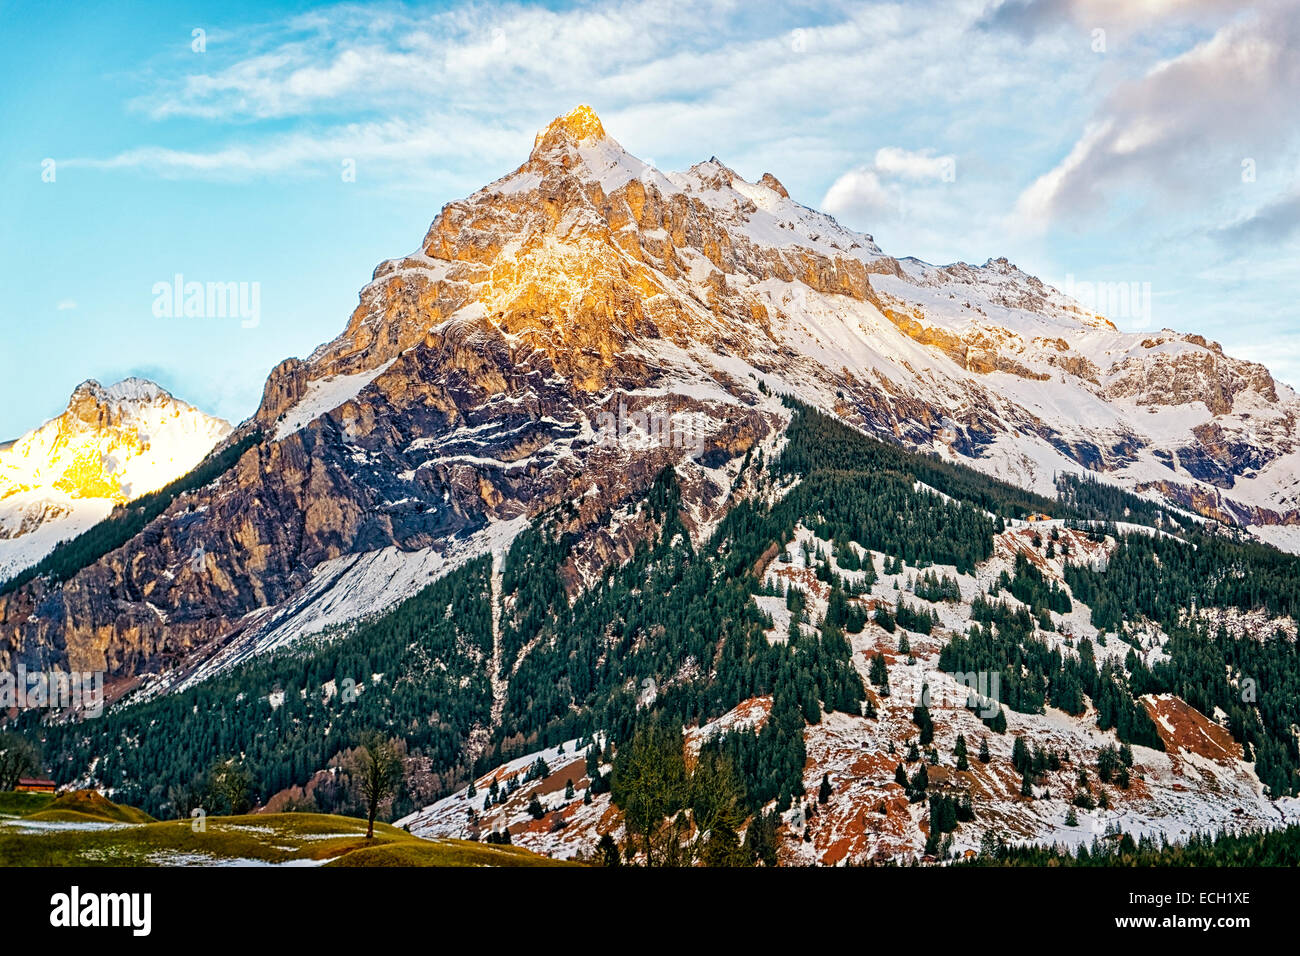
x=377, y=770
x=18, y=758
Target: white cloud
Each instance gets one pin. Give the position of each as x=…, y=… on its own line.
x=1035, y=208
x=922, y=164
x=66, y=305
x=859, y=193
x=868, y=195
x=338, y=59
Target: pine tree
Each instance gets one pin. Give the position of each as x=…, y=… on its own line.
x=607, y=851
x=879, y=674
x=535, y=808
x=921, y=717
x=1126, y=755
x=1020, y=757
x=997, y=723
x=920, y=779
x=824, y=791
x=985, y=756
x=965, y=809
x=761, y=838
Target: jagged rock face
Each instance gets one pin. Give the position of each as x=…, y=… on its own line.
x=1204, y=374
x=587, y=295
x=460, y=431
x=585, y=265
x=595, y=258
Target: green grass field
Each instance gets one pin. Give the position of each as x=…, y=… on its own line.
x=84, y=829
x=416, y=852
x=14, y=804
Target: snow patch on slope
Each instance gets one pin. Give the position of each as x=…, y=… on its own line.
x=323, y=396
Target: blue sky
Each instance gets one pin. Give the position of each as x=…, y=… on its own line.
x=1089, y=141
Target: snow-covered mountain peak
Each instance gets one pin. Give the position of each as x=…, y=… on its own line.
x=604, y=263
x=579, y=125
x=566, y=333
x=96, y=404
x=111, y=445
x=130, y=389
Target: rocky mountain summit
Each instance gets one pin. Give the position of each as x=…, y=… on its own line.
x=567, y=332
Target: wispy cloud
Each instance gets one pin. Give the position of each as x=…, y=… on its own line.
x=344, y=57
x=915, y=164
x=430, y=138
x=1274, y=222
x=669, y=68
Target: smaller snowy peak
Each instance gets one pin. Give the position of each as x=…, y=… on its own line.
x=1006, y=288
x=763, y=213
x=127, y=390
x=114, y=442
x=111, y=445
x=713, y=174
x=97, y=405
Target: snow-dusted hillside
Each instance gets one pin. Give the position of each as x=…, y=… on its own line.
x=1199, y=783
x=112, y=445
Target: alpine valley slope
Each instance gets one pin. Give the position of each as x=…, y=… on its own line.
x=1191, y=777
x=110, y=446
x=567, y=332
